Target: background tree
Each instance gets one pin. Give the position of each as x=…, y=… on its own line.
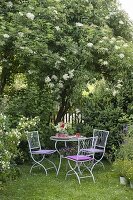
x=57, y=47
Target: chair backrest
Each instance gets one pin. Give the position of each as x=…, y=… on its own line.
x=102, y=137
x=86, y=143
x=33, y=140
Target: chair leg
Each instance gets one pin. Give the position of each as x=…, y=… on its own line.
x=90, y=170
x=38, y=164
x=73, y=170
x=52, y=164
x=98, y=161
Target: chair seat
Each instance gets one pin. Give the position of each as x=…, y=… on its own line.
x=79, y=158
x=92, y=150
x=43, y=151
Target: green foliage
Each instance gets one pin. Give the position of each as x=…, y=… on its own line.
x=121, y=167
x=100, y=110
x=129, y=171
x=124, y=157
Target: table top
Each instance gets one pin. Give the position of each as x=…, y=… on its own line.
x=67, y=138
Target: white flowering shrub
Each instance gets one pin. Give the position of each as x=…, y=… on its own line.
x=9, y=141
x=26, y=124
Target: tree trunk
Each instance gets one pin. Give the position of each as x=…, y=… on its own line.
x=65, y=105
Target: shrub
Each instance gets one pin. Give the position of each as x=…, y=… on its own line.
x=9, y=144
x=10, y=139
x=124, y=158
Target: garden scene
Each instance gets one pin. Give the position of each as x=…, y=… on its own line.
x=66, y=100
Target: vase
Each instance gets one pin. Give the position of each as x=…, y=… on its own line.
x=123, y=180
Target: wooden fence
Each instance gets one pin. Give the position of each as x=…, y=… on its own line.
x=73, y=118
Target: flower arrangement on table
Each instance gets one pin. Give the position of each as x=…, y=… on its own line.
x=63, y=129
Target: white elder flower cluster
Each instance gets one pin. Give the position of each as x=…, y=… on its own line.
x=15, y=133
x=103, y=62
x=69, y=75
x=121, y=22
x=57, y=28
x=54, y=77
x=26, y=123
x=62, y=59
x=9, y=4
x=110, y=14
x=89, y=44
x=20, y=13
x=2, y=122
x=58, y=62
x=55, y=12
x=31, y=71
x=5, y=164
x=121, y=55
x=51, y=85
x=30, y=16
x=53, y=81
x=65, y=77
x=117, y=47
x=47, y=79
x=115, y=92
x=112, y=40
x=125, y=45
x=5, y=159
x=107, y=17
x=60, y=84
x=20, y=34
x=78, y=24
x=100, y=41
x=104, y=49
x=27, y=49
x=6, y=36
x=105, y=38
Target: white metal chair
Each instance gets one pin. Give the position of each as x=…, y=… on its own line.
x=82, y=161
x=38, y=155
x=99, y=151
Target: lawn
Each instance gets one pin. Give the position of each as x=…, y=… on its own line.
x=38, y=186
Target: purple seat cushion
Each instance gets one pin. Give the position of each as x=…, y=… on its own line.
x=43, y=151
x=79, y=158
x=92, y=150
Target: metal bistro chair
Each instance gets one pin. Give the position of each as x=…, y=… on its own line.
x=82, y=161
x=38, y=155
x=99, y=151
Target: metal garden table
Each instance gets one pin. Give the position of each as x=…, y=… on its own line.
x=65, y=140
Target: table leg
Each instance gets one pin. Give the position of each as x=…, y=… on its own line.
x=61, y=156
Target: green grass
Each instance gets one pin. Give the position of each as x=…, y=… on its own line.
x=38, y=186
